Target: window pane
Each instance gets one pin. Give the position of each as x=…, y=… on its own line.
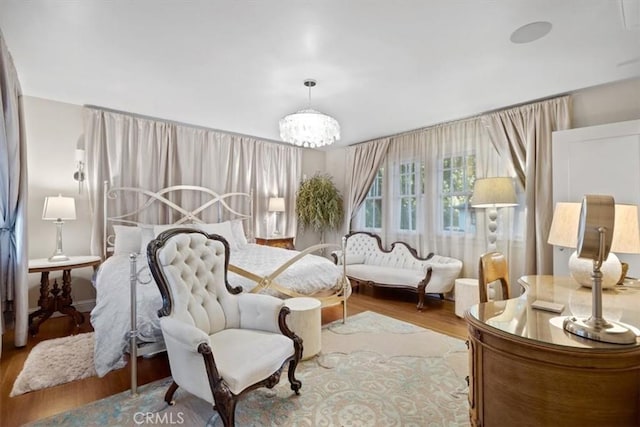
x=457, y=186
x=458, y=162
x=377, y=209
x=446, y=181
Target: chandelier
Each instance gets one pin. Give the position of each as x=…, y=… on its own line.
x=309, y=127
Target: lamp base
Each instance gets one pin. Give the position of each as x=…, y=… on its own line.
x=58, y=257
x=599, y=330
x=582, y=268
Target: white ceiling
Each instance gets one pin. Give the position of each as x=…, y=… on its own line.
x=382, y=66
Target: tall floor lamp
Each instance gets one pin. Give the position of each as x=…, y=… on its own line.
x=491, y=194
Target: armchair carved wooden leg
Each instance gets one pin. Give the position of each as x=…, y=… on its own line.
x=297, y=349
x=168, y=397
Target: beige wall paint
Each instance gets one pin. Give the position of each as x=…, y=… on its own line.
x=611, y=103
x=54, y=130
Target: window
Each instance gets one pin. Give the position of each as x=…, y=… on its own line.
x=410, y=178
x=458, y=176
x=373, y=203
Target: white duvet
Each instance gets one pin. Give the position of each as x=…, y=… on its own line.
x=111, y=318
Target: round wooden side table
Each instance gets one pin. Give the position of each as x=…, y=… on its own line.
x=57, y=299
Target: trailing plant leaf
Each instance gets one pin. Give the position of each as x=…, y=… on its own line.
x=319, y=204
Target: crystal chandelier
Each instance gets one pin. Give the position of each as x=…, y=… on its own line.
x=309, y=127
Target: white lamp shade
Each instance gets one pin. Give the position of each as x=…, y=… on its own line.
x=276, y=204
x=497, y=192
x=626, y=233
x=79, y=156
x=59, y=208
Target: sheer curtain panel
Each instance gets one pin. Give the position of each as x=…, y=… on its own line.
x=427, y=181
x=13, y=203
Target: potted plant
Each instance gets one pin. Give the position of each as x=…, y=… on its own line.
x=319, y=205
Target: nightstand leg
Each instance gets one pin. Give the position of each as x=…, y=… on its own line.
x=46, y=304
x=63, y=302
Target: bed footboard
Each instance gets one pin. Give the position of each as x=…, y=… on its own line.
x=269, y=282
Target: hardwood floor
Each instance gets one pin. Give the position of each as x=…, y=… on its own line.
x=438, y=315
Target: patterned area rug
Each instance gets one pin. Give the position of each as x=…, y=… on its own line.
x=355, y=387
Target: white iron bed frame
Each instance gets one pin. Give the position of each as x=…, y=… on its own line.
x=138, y=348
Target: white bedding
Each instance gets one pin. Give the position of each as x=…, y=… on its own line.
x=111, y=318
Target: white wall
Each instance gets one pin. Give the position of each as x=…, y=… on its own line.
x=53, y=131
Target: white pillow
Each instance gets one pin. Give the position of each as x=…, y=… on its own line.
x=237, y=229
x=127, y=239
x=221, y=228
x=146, y=235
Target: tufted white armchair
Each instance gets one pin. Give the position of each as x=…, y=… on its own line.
x=220, y=342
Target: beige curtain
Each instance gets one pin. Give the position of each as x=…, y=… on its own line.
x=524, y=135
x=363, y=162
x=127, y=150
x=13, y=202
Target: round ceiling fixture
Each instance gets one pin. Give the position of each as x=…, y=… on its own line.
x=531, y=32
x=309, y=127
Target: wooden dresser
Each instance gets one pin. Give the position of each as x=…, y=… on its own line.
x=278, y=242
x=525, y=370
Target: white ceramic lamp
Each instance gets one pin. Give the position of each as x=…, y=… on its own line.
x=493, y=193
x=626, y=239
x=276, y=204
x=58, y=209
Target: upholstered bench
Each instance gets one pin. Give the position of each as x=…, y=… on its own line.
x=399, y=267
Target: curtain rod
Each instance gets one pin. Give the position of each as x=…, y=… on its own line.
x=464, y=119
x=177, y=123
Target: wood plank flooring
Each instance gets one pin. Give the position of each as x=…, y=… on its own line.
x=438, y=315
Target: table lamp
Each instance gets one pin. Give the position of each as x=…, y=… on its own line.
x=626, y=239
x=493, y=193
x=276, y=204
x=57, y=209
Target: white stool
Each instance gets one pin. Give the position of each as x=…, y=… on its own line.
x=467, y=294
x=305, y=321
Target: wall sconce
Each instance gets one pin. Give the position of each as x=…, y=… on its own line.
x=79, y=174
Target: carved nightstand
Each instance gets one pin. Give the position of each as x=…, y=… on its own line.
x=58, y=298
x=278, y=242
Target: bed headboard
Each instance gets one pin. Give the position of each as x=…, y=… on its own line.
x=179, y=204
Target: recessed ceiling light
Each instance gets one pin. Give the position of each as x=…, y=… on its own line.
x=530, y=32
